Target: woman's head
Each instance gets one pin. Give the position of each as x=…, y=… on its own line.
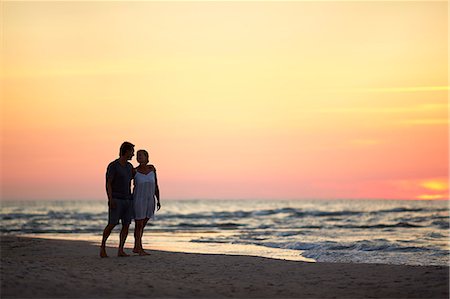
x=142, y=156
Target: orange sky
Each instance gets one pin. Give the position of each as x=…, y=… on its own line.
x=231, y=99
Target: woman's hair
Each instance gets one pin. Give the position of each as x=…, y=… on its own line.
x=144, y=152
x=126, y=146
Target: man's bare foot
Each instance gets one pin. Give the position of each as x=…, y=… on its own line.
x=142, y=252
x=135, y=250
x=122, y=253
x=103, y=252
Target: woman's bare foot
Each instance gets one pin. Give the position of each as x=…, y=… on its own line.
x=135, y=250
x=103, y=252
x=122, y=253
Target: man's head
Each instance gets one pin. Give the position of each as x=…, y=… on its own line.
x=127, y=150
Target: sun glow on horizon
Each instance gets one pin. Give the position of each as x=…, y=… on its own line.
x=436, y=185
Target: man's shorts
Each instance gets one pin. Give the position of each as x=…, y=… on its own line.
x=123, y=211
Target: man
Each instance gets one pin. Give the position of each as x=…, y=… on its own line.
x=120, y=200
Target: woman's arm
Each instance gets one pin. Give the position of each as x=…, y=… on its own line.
x=157, y=189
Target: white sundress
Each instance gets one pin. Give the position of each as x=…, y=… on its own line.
x=144, y=195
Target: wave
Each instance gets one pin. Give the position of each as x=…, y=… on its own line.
x=435, y=235
x=292, y=212
x=52, y=220
x=228, y=225
x=364, y=245
x=43, y=230
x=442, y=224
x=398, y=224
x=314, y=249
x=54, y=215
x=240, y=214
x=402, y=210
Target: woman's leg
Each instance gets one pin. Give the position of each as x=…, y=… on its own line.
x=138, y=235
x=144, y=223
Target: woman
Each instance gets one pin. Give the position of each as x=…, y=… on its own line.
x=145, y=198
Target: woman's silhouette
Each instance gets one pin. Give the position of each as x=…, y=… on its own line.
x=145, y=197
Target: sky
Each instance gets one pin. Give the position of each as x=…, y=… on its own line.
x=233, y=100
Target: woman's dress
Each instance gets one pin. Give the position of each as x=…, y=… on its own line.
x=144, y=195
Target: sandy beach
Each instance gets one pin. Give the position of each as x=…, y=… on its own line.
x=41, y=268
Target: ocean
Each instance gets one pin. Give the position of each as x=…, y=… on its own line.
x=354, y=231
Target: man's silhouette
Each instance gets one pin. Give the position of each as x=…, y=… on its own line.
x=120, y=201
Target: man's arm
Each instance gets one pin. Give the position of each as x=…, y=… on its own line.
x=110, y=172
x=111, y=202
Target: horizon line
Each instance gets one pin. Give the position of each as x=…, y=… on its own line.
x=186, y=1
x=236, y=199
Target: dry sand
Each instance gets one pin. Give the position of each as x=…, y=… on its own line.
x=41, y=268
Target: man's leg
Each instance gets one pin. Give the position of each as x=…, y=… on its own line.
x=123, y=237
x=106, y=232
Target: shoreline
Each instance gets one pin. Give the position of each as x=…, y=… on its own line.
x=45, y=268
x=181, y=242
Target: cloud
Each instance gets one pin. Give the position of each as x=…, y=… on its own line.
x=425, y=121
x=365, y=142
x=418, y=108
x=396, y=89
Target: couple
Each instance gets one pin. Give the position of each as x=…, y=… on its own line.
x=125, y=205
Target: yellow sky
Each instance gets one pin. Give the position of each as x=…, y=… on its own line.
x=232, y=99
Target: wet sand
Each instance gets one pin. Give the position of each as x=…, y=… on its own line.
x=41, y=268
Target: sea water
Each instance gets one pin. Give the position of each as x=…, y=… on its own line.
x=356, y=231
